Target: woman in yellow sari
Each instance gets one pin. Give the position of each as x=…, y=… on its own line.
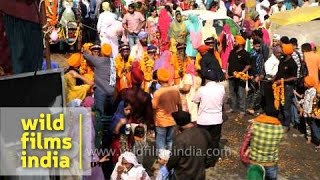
x=123, y=65
x=85, y=69
x=74, y=91
x=177, y=32
x=180, y=61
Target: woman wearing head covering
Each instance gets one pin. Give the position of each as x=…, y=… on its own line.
x=119, y=130
x=74, y=91
x=194, y=37
x=164, y=25
x=177, y=32
x=226, y=39
x=152, y=25
x=128, y=167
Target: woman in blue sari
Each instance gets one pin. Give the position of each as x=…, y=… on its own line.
x=194, y=37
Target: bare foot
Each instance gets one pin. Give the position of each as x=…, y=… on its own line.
x=308, y=140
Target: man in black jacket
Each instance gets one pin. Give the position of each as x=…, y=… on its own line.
x=191, y=149
x=209, y=62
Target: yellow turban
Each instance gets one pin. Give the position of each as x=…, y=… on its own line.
x=309, y=82
x=106, y=50
x=163, y=75
x=75, y=60
x=240, y=40
x=287, y=49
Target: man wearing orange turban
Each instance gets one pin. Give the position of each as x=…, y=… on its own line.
x=209, y=62
x=166, y=100
x=163, y=75
x=240, y=40
x=103, y=93
x=239, y=61
x=106, y=50
x=287, y=70
x=203, y=49
x=287, y=49
x=75, y=60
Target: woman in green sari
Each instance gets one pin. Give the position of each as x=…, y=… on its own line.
x=177, y=32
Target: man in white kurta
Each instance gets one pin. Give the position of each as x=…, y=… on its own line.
x=109, y=28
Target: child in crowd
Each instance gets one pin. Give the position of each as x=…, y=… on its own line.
x=154, y=84
x=160, y=171
x=139, y=143
x=308, y=105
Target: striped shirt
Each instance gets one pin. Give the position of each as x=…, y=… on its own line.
x=265, y=140
x=297, y=56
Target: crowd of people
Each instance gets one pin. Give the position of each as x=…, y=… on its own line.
x=173, y=80
x=170, y=75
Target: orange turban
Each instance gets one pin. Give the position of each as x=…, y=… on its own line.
x=240, y=40
x=287, y=49
x=75, y=60
x=106, y=50
x=163, y=75
x=309, y=82
x=203, y=48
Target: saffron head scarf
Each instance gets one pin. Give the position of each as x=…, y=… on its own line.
x=106, y=50
x=163, y=75
x=240, y=40
x=287, y=49
x=75, y=60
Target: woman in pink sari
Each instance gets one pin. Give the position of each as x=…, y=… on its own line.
x=164, y=25
x=226, y=39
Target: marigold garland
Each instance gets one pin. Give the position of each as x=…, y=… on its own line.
x=120, y=65
x=316, y=112
x=241, y=75
x=147, y=66
x=278, y=93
